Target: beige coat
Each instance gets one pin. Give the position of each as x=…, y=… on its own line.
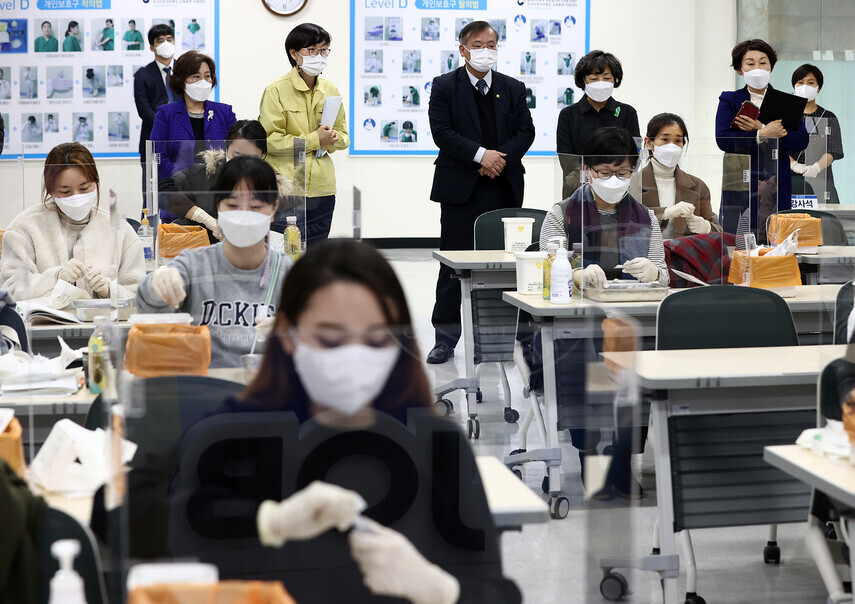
x=35, y=250
x=690, y=189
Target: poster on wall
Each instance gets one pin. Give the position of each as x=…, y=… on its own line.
x=399, y=46
x=67, y=68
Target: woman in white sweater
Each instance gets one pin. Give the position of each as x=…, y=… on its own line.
x=70, y=236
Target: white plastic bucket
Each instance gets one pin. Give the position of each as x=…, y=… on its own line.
x=530, y=272
x=518, y=232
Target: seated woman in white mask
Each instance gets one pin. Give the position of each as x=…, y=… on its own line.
x=680, y=200
x=232, y=285
x=71, y=236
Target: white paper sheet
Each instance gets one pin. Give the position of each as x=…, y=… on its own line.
x=331, y=106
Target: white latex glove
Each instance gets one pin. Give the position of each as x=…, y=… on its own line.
x=593, y=276
x=699, y=225
x=307, y=514
x=73, y=270
x=642, y=269
x=202, y=217
x=98, y=283
x=168, y=285
x=812, y=171
x=683, y=209
x=797, y=167
x=392, y=566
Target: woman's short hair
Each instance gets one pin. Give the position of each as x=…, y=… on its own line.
x=610, y=146
x=304, y=36
x=254, y=172
x=63, y=157
x=161, y=29
x=407, y=124
x=657, y=122
x=342, y=260
x=594, y=63
x=740, y=50
x=804, y=71
x=186, y=65
x=250, y=130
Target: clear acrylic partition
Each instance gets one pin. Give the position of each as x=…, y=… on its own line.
x=182, y=177
x=820, y=150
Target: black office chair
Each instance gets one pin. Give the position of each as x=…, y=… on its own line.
x=842, y=309
x=723, y=316
x=135, y=224
x=833, y=232
x=59, y=525
x=9, y=316
x=490, y=230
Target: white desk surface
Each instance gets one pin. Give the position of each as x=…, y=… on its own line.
x=807, y=298
x=833, y=476
x=838, y=209
x=829, y=254
x=476, y=259
x=728, y=367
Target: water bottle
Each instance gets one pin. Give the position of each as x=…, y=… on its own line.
x=293, y=239
x=99, y=358
x=146, y=235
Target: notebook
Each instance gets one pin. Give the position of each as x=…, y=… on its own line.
x=783, y=106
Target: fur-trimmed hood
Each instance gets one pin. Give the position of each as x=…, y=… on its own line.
x=215, y=159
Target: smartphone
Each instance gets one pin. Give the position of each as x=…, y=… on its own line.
x=748, y=109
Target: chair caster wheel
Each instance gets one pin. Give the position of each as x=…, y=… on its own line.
x=613, y=586
x=446, y=406
x=517, y=470
x=544, y=484
x=772, y=553
x=559, y=507
x=474, y=428
x=479, y=396
x=693, y=598
x=511, y=415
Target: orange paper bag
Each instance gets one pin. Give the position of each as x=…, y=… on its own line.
x=165, y=349
x=782, y=226
x=12, y=447
x=764, y=271
x=225, y=592
x=172, y=238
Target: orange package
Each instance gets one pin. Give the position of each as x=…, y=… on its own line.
x=225, y=592
x=12, y=447
x=172, y=238
x=618, y=336
x=166, y=349
x=764, y=271
x=781, y=226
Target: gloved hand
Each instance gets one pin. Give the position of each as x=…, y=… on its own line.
x=683, y=209
x=98, y=283
x=168, y=285
x=812, y=171
x=73, y=270
x=202, y=217
x=642, y=269
x=392, y=566
x=593, y=276
x=698, y=225
x=264, y=327
x=307, y=514
x=797, y=167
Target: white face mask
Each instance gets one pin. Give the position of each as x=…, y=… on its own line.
x=758, y=79
x=199, y=91
x=244, y=228
x=345, y=378
x=807, y=92
x=165, y=50
x=313, y=66
x=77, y=207
x=599, y=91
x=483, y=59
x=667, y=155
x=611, y=189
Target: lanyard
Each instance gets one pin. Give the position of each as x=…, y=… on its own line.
x=271, y=285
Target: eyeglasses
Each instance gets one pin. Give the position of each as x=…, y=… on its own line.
x=490, y=46
x=622, y=173
x=313, y=52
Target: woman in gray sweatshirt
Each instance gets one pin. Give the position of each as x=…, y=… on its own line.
x=232, y=285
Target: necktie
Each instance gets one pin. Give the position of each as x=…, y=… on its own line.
x=481, y=85
x=167, y=71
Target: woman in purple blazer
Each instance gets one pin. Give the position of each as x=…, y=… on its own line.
x=184, y=129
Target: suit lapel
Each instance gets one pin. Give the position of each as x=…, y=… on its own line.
x=464, y=87
x=184, y=119
x=502, y=105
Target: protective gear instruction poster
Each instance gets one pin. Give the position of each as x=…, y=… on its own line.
x=67, y=68
x=399, y=46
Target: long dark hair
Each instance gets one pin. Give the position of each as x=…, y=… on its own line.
x=256, y=173
x=278, y=386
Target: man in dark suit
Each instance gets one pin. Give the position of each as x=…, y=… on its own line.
x=150, y=89
x=483, y=128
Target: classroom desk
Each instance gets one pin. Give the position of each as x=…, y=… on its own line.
x=828, y=257
x=834, y=477
x=701, y=400
x=43, y=336
x=846, y=214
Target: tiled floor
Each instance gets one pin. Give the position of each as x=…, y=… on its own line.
x=559, y=561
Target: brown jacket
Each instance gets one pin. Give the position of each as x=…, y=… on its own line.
x=690, y=189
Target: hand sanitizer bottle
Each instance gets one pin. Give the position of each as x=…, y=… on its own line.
x=66, y=586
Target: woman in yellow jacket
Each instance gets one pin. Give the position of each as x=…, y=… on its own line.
x=291, y=107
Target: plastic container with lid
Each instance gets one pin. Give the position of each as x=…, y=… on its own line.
x=518, y=233
x=530, y=272
x=175, y=318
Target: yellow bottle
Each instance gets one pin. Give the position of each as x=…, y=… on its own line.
x=551, y=249
x=98, y=357
x=293, y=239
